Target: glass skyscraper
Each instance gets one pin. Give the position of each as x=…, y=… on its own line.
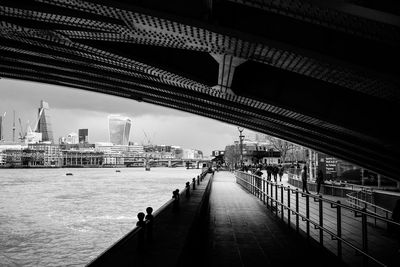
x=119, y=128
x=44, y=124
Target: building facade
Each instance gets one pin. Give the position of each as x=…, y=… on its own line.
x=119, y=129
x=83, y=136
x=52, y=155
x=82, y=158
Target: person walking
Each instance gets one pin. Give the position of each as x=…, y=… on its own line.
x=275, y=171
x=280, y=173
x=320, y=180
x=269, y=171
x=304, y=179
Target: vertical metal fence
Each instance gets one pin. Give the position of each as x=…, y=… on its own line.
x=351, y=233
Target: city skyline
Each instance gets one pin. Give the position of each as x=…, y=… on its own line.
x=74, y=109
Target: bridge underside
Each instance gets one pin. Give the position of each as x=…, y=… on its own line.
x=323, y=74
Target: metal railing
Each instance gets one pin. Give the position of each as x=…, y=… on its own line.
x=346, y=231
x=355, y=201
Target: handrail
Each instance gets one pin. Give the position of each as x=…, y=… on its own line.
x=263, y=189
x=366, y=204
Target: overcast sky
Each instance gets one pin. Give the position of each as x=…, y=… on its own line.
x=72, y=109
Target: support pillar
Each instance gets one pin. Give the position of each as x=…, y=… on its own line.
x=227, y=65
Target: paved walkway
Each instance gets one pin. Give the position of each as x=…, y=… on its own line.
x=381, y=244
x=242, y=232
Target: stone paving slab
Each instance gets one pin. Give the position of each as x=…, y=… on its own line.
x=242, y=232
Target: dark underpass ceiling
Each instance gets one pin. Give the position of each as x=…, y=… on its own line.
x=323, y=74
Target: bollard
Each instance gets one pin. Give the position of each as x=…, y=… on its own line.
x=149, y=225
x=187, y=190
x=194, y=183
x=141, y=223
x=176, y=197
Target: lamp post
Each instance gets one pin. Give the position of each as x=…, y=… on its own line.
x=241, y=137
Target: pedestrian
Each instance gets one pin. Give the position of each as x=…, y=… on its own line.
x=269, y=171
x=320, y=180
x=280, y=173
x=150, y=221
x=304, y=179
x=275, y=171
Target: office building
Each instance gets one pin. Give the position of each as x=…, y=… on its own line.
x=119, y=129
x=44, y=123
x=83, y=136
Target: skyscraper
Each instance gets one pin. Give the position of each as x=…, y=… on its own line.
x=44, y=124
x=119, y=128
x=83, y=136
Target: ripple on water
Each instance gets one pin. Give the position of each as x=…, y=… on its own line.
x=49, y=219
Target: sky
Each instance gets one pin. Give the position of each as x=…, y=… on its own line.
x=72, y=109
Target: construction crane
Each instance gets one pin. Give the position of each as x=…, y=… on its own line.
x=147, y=138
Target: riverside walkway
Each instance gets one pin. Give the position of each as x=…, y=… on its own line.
x=222, y=224
x=242, y=232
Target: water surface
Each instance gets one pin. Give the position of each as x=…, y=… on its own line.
x=50, y=219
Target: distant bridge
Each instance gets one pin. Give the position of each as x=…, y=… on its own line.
x=191, y=163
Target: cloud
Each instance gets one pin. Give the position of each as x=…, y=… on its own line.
x=29, y=94
x=73, y=109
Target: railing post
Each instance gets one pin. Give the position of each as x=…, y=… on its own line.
x=282, y=202
x=253, y=184
x=297, y=210
x=267, y=194
x=276, y=199
x=339, y=229
x=364, y=235
x=263, y=190
x=321, y=221
x=272, y=197
x=257, y=179
x=308, y=215
x=288, y=204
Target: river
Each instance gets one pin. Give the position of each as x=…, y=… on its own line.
x=50, y=219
